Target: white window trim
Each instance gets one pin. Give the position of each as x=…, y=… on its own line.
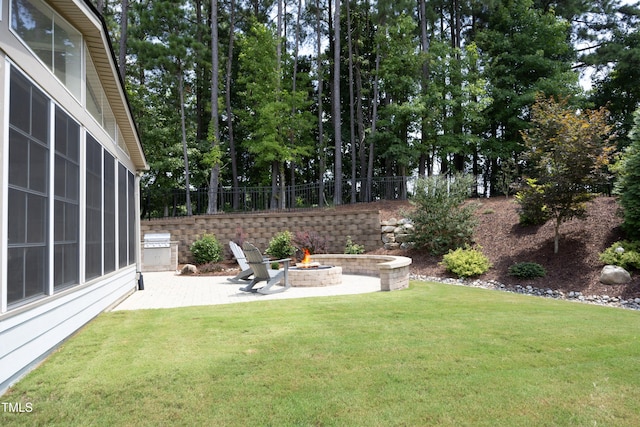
x=78, y=97
x=5, y=189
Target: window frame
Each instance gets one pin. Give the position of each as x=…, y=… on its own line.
x=68, y=239
x=77, y=40
x=33, y=238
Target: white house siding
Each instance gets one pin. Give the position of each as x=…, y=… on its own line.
x=26, y=338
x=31, y=330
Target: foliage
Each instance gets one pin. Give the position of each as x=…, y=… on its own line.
x=531, y=199
x=567, y=153
x=527, y=270
x=441, y=219
x=400, y=79
x=206, y=249
x=507, y=175
x=353, y=248
x=281, y=246
x=463, y=76
x=466, y=262
x=624, y=254
x=210, y=267
x=526, y=51
x=310, y=240
x=618, y=89
x=629, y=183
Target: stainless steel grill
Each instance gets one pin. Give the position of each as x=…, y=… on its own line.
x=159, y=253
x=157, y=240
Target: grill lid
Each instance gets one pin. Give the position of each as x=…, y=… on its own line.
x=157, y=240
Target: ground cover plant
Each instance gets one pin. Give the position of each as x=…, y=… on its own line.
x=431, y=355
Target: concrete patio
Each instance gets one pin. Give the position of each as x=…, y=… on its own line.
x=170, y=290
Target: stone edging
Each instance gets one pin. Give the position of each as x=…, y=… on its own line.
x=604, y=300
x=392, y=270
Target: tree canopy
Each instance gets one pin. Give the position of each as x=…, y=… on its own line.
x=422, y=87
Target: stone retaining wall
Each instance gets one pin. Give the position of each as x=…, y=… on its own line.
x=260, y=228
x=392, y=270
x=397, y=234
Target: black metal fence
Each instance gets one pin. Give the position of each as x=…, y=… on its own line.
x=163, y=204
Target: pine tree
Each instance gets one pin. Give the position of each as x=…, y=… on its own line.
x=630, y=183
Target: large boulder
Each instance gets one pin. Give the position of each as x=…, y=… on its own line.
x=614, y=275
x=189, y=269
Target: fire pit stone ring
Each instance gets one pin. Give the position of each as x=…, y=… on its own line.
x=320, y=275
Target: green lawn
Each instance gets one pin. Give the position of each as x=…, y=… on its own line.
x=430, y=355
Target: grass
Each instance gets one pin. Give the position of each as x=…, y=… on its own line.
x=431, y=355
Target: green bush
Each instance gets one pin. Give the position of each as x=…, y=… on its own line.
x=281, y=246
x=441, y=219
x=530, y=198
x=353, y=248
x=624, y=254
x=527, y=270
x=466, y=262
x=206, y=249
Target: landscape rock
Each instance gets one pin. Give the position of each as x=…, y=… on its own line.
x=189, y=269
x=388, y=238
x=397, y=231
x=614, y=275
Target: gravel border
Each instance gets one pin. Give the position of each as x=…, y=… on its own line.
x=604, y=300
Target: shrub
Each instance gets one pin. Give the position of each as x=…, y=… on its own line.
x=353, y=248
x=527, y=270
x=312, y=241
x=281, y=246
x=530, y=198
x=441, y=220
x=206, y=249
x=466, y=262
x=623, y=254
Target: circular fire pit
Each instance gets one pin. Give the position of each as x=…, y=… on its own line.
x=317, y=275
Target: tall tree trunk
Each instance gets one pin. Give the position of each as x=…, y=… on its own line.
x=232, y=144
x=359, y=113
x=277, y=164
x=423, y=170
x=459, y=159
x=352, y=124
x=273, y=204
x=374, y=122
x=183, y=126
x=337, y=130
x=100, y=6
x=321, y=165
x=202, y=79
x=124, y=25
x=215, y=129
x=294, y=81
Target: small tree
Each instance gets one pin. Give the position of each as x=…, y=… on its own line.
x=441, y=220
x=567, y=153
x=629, y=184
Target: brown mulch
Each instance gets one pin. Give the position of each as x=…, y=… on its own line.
x=576, y=266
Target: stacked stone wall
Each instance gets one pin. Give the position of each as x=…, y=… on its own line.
x=259, y=228
x=397, y=234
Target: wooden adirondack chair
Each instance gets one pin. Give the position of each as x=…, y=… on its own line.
x=261, y=272
x=239, y=255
